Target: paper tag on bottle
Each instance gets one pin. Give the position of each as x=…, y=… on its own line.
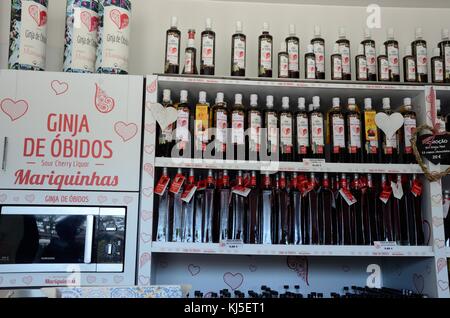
x=348, y=196
x=201, y=185
x=241, y=190
x=416, y=189
x=188, y=193
x=385, y=195
x=177, y=183
x=161, y=186
x=397, y=190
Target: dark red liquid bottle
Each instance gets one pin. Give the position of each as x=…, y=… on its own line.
x=173, y=41
x=409, y=66
x=344, y=214
x=185, y=125
x=284, y=212
x=357, y=213
x=392, y=52
x=286, y=132
x=326, y=229
x=312, y=212
x=190, y=62
x=189, y=212
x=302, y=131
x=397, y=209
x=267, y=210
x=208, y=50
x=383, y=66
x=317, y=133
x=390, y=148
x=219, y=118
x=253, y=213
x=370, y=53
x=297, y=206
x=265, y=55
x=368, y=211
x=385, y=205
x=165, y=136
x=336, y=64
x=336, y=132
x=293, y=50
x=437, y=67
x=254, y=125
x=209, y=206
x=318, y=44
x=344, y=50
x=419, y=50
x=238, y=206
x=238, y=51
x=177, y=213
x=238, y=128
x=354, y=133
x=164, y=206
x=224, y=208
x=444, y=47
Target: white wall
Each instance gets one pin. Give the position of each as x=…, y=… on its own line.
x=151, y=18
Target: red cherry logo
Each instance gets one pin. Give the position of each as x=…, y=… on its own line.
x=174, y=50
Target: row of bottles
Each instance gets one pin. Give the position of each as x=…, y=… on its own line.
x=288, y=209
x=369, y=67
x=253, y=133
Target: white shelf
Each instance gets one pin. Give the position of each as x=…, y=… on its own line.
x=284, y=250
x=287, y=166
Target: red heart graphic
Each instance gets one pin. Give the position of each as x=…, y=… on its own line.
x=146, y=215
x=441, y=264
x=241, y=54
x=149, y=169
x=126, y=131
x=94, y=24
x=234, y=281
x=14, y=109
x=149, y=149
x=103, y=102
x=319, y=131
x=144, y=259
x=42, y=18
x=86, y=18
x=124, y=21
x=193, y=269
x=268, y=55
x=59, y=87
x=115, y=17
x=152, y=87
x=174, y=50
x=27, y=280
x=304, y=132
x=29, y=198
x=144, y=280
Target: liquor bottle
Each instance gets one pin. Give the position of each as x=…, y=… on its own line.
x=265, y=55
x=252, y=233
x=385, y=203
x=326, y=202
x=190, y=64
x=238, y=128
x=361, y=65
x=354, y=129
x=201, y=132
x=164, y=206
x=173, y=41
x=177, y=203
x=286, y=129
x=336, y=64
x=319, y=51
x=437, y=67
x=238, y=51
x=297, y=206
x=446, y=218
x=444, y=47
x=344, y=227
x=165, y=136
x=254, y=125
x=407, y=131
x=383, y=66
x=440, y=119
x=238, y=208
x=267, y=209
x=189, y=212
x=392, y=50
x=419, y=50
x=219, y=117
x=184, y=125
x=416, y=209
x=312, y=212
x=293, y=49
x=371, y=55
x=370, y=134
x=397, y=209
x=283, y=62
x=310, y=63
x=317, y=135
x=199, y=211
x=302, y=131
x=344, y=49
x=335, y=212
x=224, y=207
x=271, y=122
x=409, y=66
x=336, y=132
x=389, y=143
x=208, y=50
x=407, y=217
x=284, y=212
x=368, y=211
x=356, y=214
x=209, y=227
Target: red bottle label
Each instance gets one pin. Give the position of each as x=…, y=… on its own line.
x=201, y=185
x=266, y=181
x=253, y=181
x=177, y=183
x=161, y=186
x=188, y=193
x=210, y=180
x=386, y=193
x=348, y=196
x=416, y=189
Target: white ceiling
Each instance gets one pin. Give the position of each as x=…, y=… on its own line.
x=359, y=3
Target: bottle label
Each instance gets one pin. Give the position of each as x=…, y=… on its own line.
x=221, y=126
x=237, y=124
x=241, y=190
x=239, y=53
x=391, y=144
x=293, y=51
x=397, y=190
x=384, y=69
x=208, y=50
x=302, y=134
x=266, y=54
x=338, y=133
x=411, y=70
x=362, y=70
x=173, y=48
x=286, y=132
x=284, y=66
x=337, y=68
x=371, y=132
x=319, y=51
x=167, y=134
x=355, y=134
x=33, y=34
x=317, y=134
x=348, y=196
x=272, y=131
x=416, y=188
x=345, y=52
x=385, y=194
x=162, y=184
x=447, y=61
x=371, y=57
x=422, y=59
x=255, y=131
x=182, y=131
x=189, y=63
x=84, y=39
x=438, y=71
x=116, y=38
x=409, y=129
x=177, y=183
x=201, y=126
x=394, y=59
x=310, y=68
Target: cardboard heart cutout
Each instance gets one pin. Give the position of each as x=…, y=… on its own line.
x=163, y=115
x=389, y=124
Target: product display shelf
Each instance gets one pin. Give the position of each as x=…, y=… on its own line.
x=285, y=250
x=447, y=251
x=307, y=166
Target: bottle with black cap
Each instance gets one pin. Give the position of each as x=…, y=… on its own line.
x=437, y=67
x=344, y=49
x=224, y=208
x=238, y=128
x=444, y=47
x=208, y=50
x=392, y=51
x=409, y=66
x=354, y=129
x=219, y=116
x=383, y=65
x=283, y=61
x=389, y=143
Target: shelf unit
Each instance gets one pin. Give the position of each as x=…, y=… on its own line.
x=201, y=264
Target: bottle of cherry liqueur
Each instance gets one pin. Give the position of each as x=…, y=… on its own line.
x=354, y=129
x=336, y=132
x=208, y=50
x=238, y=51
x=317, y=126
x=173, y=40
x=219, y=122
x=265, y=55
x=254, y=125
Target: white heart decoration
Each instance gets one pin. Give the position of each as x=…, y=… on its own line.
x=163, y=115
x=389, y=124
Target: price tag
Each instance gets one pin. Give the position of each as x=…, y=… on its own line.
x=314, y=163
x=386, y=195
x=233, y=244
x=177, y=183
x=241, y=190
x=385, y=245
x=397, y=190
x=188, y=193
x=161, y=186
x=348, y=196
x=416, y=189
x=201, y=185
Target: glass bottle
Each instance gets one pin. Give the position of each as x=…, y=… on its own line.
x=392, y=50
x=238, y=206
x=310, y=63
x=265, y=55
x=370, y=134
x=302, y=131
x=370, y=53
x=165, y=136
x=293, y=50
x=190, y=64
x=267, y=209
x=416, y=191
x=317, y=134
x=344, y=49
x=297, y=206
x=219, y=117
x=253, y=212
x=336, y=64
x=238, y=51
x=397, y=212
x=407, y=131
x=319, y=51
x=368, y=211
x=312, y=212
x=199, y=211
x=386, y=209
x=184, y=126
x=283, y=62
x=437, y=67
x=354, y=129
x=173, y=41
x=209, y=206
x=188, y=212
x=356, y=213
x=336, y=132
x=271, y=123
x=254, y=125
x=361, y=65
x=208, y=50
x=444, y=47
x=383, y=66
x=238, y=128
x=409, y=66
x=224, y=208
x=177, y=212
x=419, y=50
x=389, y=143
x=286, y=132
x=326, y=202
x=343, y=214
x=284, y=211
x=201, y=132
x=164, y=205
